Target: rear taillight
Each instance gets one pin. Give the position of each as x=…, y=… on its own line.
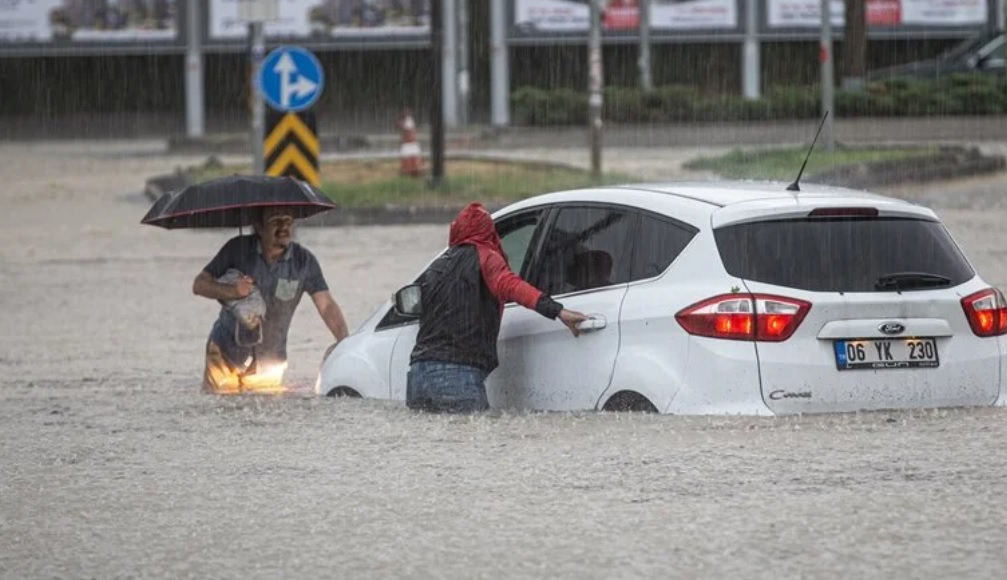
x=744, y=317
x=986, y=312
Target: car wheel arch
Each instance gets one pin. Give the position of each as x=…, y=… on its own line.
x=629, y=400
x=646, y=374
x=353, y=372
x=344, y=391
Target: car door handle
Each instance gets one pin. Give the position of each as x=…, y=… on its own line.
x=594, y=322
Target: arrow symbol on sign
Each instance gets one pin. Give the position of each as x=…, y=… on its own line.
x=287, y=70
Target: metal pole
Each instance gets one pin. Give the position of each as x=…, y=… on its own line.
x=258, y=52
x=646, y=80
x=854, y=46
x=449, y=76
x=194, y=111
x=595, y=82
x=437, y=104
x=828, y=81
x=463, y=62
x=499, y=71
x=750, y=74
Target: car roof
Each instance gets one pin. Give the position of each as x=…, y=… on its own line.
x=724, y=193
x=696, y=201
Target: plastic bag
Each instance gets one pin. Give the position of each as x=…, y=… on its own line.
x=249, y=311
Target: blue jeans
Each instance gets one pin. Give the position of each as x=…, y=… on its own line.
x=442, y=387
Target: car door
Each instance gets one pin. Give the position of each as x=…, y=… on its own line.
x=582, y=261
x=518, y=233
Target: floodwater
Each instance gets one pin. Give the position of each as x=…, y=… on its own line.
x=113, y=465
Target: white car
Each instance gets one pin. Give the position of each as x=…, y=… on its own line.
x=723, y=298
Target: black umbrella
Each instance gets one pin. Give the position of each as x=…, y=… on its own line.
x=234, y=201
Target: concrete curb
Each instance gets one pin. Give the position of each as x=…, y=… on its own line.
x=949, y=163
x=329, y=142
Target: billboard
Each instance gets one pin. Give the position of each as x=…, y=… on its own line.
x=88, y=22
x=881, y=13
x=328, y=21
x=556, y=18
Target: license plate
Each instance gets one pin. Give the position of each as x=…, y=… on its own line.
x=886, y=353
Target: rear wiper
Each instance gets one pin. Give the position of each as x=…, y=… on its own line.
x=905, y=280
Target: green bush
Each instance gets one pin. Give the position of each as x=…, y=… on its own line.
x=954, y=95
x=533, y=106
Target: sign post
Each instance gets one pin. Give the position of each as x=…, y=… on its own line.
x=255, y=12
x=291, y=81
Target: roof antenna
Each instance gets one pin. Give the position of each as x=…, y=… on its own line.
x=793, y=186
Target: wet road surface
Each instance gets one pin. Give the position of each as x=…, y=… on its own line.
x=112, y=465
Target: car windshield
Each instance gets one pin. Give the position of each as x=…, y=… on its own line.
x=844, y=254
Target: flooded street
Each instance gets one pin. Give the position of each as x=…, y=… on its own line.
x=113, y=465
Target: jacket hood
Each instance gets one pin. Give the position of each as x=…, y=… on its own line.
x=474, y=226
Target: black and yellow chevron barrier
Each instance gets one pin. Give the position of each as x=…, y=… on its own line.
x=291, y=146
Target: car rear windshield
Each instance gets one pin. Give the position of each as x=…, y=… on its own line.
x=839, y=254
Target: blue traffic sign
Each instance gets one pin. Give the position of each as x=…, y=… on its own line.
x=291, y=79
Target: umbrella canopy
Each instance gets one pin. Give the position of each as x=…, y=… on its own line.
x=234, y=201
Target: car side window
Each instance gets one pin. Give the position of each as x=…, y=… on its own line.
x=516, y=235
x=586, y=247
x=658, y=243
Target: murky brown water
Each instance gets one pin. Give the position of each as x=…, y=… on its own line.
x=112, y=465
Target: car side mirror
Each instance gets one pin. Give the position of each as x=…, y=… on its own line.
x=407, y=301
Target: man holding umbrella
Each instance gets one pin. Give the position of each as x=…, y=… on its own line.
x=243, y=355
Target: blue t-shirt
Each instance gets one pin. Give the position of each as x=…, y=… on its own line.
x=281, y=284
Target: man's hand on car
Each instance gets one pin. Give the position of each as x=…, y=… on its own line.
x=571, y=319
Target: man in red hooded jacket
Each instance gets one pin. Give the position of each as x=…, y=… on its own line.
x=462, y=296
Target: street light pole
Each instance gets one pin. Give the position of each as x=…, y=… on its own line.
x=437, y=104
x=646, y=79
x=499, y=71
x=595, y=84
x=194, y=109
x=463, y=63
x=750, y=77
x=828, y=80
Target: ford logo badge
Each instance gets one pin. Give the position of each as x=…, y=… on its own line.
x=892, y=328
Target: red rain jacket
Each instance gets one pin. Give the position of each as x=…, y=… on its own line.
x=464, y=292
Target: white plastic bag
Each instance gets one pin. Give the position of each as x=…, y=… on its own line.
x=249, y=311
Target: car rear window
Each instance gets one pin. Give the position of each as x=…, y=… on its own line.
x=839, y=254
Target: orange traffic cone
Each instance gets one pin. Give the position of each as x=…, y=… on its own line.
x=410, y=161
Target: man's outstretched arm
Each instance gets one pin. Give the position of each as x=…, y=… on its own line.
x=331, y=314
x=206, y=285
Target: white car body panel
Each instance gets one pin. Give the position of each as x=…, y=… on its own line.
x=677, y=372
x=398, y=368
x=805, y=364
x=359, y=362
x=543, y=366
x=1002, y=399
